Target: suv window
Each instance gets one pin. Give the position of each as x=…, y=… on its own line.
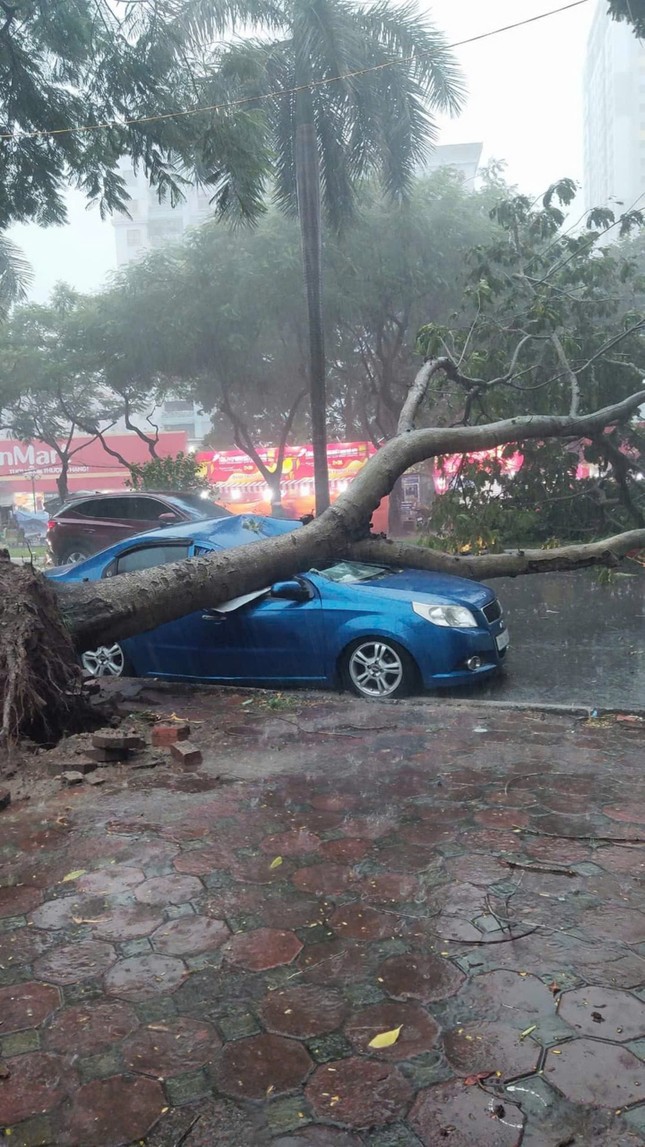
x=146, y=509
x=145, y=557
x=102, y=508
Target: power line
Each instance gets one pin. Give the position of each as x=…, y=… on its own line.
x=244, y=100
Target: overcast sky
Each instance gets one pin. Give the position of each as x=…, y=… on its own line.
x=524, y=105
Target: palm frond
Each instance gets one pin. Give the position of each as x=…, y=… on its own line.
x=16, y=275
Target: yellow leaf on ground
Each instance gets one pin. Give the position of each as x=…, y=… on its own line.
x=74, y=875
x=276, y=862
x=386, y=1039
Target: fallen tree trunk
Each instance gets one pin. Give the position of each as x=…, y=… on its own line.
x=109, y=610
x=35, y=675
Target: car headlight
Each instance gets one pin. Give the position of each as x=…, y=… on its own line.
x=450, y=616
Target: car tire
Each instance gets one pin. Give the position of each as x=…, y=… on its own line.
x=73, y=554
x=107, y=661
x=377, y=668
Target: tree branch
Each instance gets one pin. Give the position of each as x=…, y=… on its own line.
x=607, y=552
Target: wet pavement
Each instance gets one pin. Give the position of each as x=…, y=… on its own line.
x=574, y=640
x=209, y=957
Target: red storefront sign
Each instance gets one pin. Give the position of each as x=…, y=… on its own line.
x=90, y=468
x=235, y=469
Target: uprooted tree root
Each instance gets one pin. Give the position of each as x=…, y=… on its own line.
x=40, y=678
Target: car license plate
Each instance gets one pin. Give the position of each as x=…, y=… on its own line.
x=502, y=640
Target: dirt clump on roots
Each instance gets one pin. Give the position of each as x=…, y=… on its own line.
x=40, y=677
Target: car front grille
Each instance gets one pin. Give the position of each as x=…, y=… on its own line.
x=492, y=612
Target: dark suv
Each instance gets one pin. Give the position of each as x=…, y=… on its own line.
x=86, y=525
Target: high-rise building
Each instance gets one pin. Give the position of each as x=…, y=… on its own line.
x=151, y=223
x=464, y=158
x=614, y=115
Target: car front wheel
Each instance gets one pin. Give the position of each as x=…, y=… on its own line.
x=106, y=661
x=377, y=668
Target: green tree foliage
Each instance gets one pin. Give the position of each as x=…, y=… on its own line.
x=553, y=322
x=85, y=82
x=632, y=11
x=179, y=473
x=45, y=392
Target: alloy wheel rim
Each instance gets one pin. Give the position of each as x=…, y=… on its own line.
x=106, y=661
x=376, y=669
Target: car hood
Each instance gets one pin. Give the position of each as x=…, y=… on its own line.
x=419, y=585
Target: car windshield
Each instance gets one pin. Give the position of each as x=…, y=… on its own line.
x=205, y=507
x=351, y=572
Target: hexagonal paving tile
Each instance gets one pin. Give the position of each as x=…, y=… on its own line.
x=262, y=949
x=605, y=1013
x=74, y=962
x=249, y=1068
x=303, y=1012
x=170, y=1047
x=59, y=913
x=464, y=1116
x=359, y=922
x=322, y=879
x=200, y=861
x=35, y=1083
x=346, y=850
x=590, y=1071
x=390, y=887
x=318, y=1136
x=507, y=996
x=17, y=899
x=89, y=1028
x=168, y=889
x=490, y=1047
x=121, y=1109
x=111, y=879
x=418, y=1034
x=129, y=923
x=359, y=1093
x=190, y=935
x=140, y=977
x=296, y=842
x=26, y=1005
x=419, y=977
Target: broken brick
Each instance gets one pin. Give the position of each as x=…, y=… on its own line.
x=166, y=735
x=186, y=753
x=72, y=777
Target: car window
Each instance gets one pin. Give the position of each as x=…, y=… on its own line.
x=110, y=508
x=351, y=572
x=146, y=509
x=92, y=508
x=145, y=557
x=202, y=507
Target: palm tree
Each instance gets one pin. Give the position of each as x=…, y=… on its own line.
x=346, y=91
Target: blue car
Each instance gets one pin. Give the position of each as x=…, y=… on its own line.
x=379, y=631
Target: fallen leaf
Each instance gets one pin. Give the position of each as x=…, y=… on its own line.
x=276, y=862
x=84, y=920
x=386, y=1039
x=74, y=875
x=527, y=1031
x=472, y=1080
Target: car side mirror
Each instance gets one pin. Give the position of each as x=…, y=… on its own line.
x=166, y=519
x=290, y=591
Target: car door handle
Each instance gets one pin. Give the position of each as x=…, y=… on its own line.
x=213, y=616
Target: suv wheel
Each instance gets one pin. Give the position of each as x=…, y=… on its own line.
x=73, y=554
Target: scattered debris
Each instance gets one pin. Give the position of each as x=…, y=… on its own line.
x=186, y=753
x=163, y=736
x=72, y=777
